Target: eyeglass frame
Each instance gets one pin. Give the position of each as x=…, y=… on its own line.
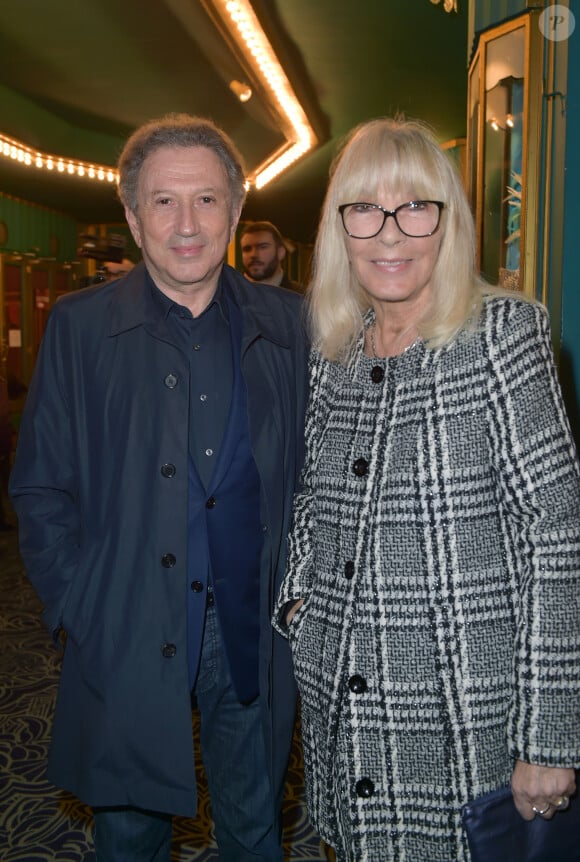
x=386, y=213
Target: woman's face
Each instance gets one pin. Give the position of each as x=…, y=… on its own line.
x=393, y=267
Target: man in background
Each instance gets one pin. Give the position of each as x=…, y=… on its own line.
x=263, y=251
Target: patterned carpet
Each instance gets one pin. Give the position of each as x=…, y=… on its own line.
x=39, y=822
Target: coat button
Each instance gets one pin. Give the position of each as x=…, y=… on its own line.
x=168, y=471
x=349, y=569
x=360, y=467
x=357, y=684
x=210, y=503
x=197, y=586
x=168, y=561
x=169, y=650
x=365, y=788
x=377, y=374
x=170, y=381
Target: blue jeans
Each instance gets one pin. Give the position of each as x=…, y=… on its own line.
x=248, y=825
x=131, y=835
x=247, y=821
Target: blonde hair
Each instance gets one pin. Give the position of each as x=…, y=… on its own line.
x=397, y=154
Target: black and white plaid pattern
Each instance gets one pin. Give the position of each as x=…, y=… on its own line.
x=440, y=635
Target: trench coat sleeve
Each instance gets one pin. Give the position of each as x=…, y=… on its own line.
x=539, y=487
x=300, y=562
x=43, y=483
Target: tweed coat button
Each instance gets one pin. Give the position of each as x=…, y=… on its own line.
x=210, y=503
x=170, y=381
x=365, y=788
x=168, y=471
x=360, y=467
x=377, y=374
x=349, y=569
x=357, y=684
x=169, y=650
x=197, y=586
x=168, y=561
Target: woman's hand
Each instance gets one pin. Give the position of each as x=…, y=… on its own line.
x=293, y=610
x=541, y=790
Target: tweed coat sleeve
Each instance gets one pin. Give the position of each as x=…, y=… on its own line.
x=539, y=480
x=299, y=567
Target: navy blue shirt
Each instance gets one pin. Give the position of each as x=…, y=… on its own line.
x=206, y=341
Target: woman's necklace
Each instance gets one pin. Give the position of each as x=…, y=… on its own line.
x=372, y=333
x=372, y=329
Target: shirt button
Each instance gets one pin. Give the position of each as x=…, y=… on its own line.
x=349, y=569
x=168, y=471
x=377, y=374
x=203, y=397
x=197, y=586
x=168, y=561
x=169, y=650
x=360, y=467
x=197, y=346
x=210, y=503
x=209, y=452
x=365, y=788
x=170, y=381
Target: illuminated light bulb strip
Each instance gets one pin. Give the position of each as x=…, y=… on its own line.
x=19, y=152
x=245, y=29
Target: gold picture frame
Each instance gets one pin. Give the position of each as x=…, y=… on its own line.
x=503, y=150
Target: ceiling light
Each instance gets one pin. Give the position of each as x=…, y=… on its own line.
x=448, y=5
x=245, y=31
x=242, y=91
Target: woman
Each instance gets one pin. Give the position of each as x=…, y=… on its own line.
x=431, y=594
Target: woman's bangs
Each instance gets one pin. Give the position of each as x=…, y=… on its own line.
x=390, y=166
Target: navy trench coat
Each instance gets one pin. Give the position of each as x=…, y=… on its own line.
x=107, y=407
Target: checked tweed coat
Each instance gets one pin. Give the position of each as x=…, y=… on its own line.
x=436, y=543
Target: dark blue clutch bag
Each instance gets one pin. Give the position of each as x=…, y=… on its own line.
x=497, y=833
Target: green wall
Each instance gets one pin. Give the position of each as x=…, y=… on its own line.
x=35, y=229
x=491, y=12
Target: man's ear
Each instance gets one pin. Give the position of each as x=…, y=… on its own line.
x=133, y=223
x=281, y=253
x=236, y=213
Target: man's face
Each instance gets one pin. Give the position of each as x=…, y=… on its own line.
x=261, y=257
x=184, y=220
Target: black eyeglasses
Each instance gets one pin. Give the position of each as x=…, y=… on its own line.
x=415, y=218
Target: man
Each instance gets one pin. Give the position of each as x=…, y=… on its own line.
x=263, y=251
x=158, y=453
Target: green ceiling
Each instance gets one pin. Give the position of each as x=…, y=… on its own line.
x=78, y=76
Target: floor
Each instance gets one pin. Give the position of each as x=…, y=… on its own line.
x=39, y=822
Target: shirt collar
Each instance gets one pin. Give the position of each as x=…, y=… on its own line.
x=165, y=306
